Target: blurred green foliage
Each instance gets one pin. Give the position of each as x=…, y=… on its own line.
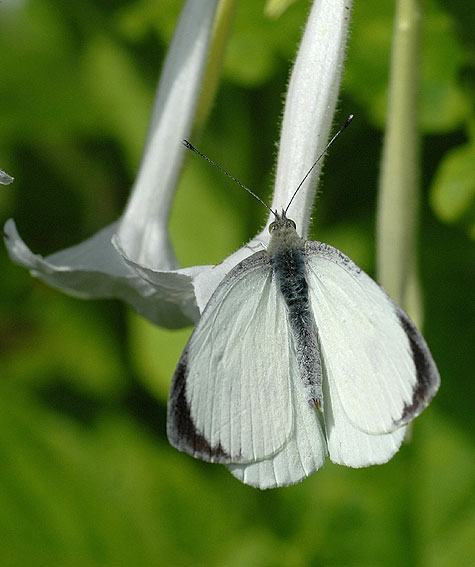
x=86, y=475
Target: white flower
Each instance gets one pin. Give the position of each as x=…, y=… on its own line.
x=5, y=179
x=132, y=259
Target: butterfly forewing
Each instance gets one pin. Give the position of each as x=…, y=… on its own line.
x=231, y=398
x=374, y=356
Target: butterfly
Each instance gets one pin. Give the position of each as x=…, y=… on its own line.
x=298, y=355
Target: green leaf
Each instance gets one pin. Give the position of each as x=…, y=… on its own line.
x=445, y=495
x=110, y=495
x=38, y=94
x=444, y=102
x=453, y=188
x=55, y=339
x=257, y=43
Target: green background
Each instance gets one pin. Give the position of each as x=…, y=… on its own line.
x=86, y=473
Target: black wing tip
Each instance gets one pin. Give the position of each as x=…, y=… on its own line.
x=181, y=430
x=428, y=378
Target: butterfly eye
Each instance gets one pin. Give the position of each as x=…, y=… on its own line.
x=272, y=227
x=292, y=223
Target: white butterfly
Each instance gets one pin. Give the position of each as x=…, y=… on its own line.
x=298, y=354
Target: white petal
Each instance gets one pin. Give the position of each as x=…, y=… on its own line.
x=170, y=285
x=5, y=179
x=94, y=269
x=207, y=279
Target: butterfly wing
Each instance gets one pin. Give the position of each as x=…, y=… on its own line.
x=303, y=454
x=376, y=362
x=348, y=445
x=231, y=396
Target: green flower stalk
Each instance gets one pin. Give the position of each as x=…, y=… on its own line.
x=399, y=183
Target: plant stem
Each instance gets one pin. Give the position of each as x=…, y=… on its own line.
x=399, y=182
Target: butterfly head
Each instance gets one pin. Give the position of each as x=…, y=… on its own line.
x=283, y=235
x=281, y=223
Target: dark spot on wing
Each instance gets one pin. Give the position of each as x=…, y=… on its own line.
x=181, y=430
x=427, y=375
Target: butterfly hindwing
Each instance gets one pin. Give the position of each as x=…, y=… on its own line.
x=347, y=444
x=303, y=454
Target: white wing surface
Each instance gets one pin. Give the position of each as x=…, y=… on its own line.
x=348, y=445
x=376, y=361
x=231, y=397
x=304, y=453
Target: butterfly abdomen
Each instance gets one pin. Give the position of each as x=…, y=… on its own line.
x=287, y=257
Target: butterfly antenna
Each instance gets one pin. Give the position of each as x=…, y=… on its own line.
x=190, y=146
x=347, y=123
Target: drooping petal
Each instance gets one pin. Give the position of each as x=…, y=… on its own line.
x=94, y=269
x=5, y=179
